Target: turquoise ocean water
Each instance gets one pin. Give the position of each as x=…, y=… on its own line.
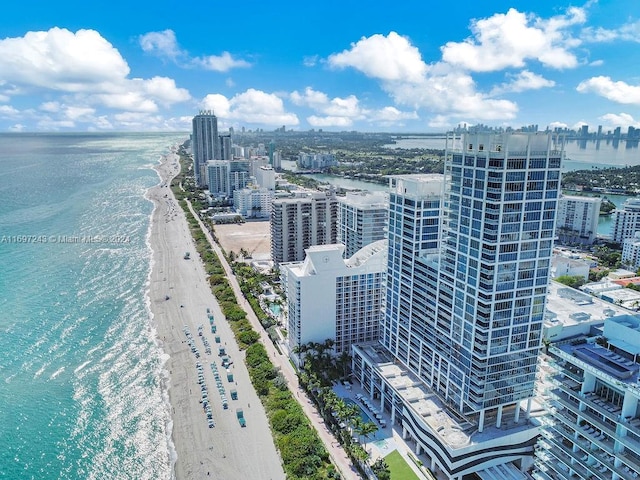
x=82, y=393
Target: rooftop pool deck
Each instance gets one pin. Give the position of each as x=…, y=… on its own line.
x=608, y=361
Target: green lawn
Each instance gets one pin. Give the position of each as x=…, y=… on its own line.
x=400, y=469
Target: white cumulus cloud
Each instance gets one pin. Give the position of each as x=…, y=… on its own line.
x=390, y=117
x=439, y=87
x=320, y=101
x=218, y=103
x=251, y=106
x=164, y=44
x=7, y=111
x=451, y=93
x=220, y=63
x=161, y=44
x=509, y=40
x=51, y=107
x=343, y=112
x=61, y=60
x=386, y=58
x=613, y=120
x=162, y=89
x=82, y=64
x=310, y=98
x=78, y=113
x=619, y=92
x=629, y=32
x=130, y=101
x=522, y=81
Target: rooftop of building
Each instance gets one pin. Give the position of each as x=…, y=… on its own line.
x=320, y=258
x=608, y=362
x=454, y=429
x=581, y=198
x=366, y=252
x=574, y=262
x=622, y=296
x=304, y=195
x=631, y=201
x=621, y=273
x=568, y=307
x=627, y=281
x=419, y=177
x=366, y=199
x=597, y=334
x=614, y=359
x=604, y=285
x=506, y=143
x=331, y=247
x=422, y=185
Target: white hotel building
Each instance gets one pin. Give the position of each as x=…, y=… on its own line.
x=332, y=297
x=465, y=303
x=253, y=202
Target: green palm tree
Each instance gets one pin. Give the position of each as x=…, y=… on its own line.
x=366, y=429
x=359, y=453
x=340, y=407
x=356, y=425
x=344, y=363
x=352, y=411
x=328, y=399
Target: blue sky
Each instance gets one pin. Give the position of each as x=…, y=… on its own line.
x=407, y=66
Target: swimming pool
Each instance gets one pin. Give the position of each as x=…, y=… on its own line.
x=363, y=414
x=275, y=309
x=366, y=418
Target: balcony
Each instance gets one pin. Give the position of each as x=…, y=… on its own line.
x=566, y=458
x=630, y=444
x=632, y=424
x=571, y=374
x=568, y=418
x=596, y=402
x=630, y=461
x=568, y=381
x=597, y=437
x=597, y=421
x=541, y=474
x=565, y=400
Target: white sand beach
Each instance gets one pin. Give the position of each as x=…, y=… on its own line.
x=226, y=451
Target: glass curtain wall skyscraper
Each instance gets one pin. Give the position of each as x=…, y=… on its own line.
x=205, y=143
x=465, y=307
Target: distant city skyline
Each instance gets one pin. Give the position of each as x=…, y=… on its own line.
x=335, y=66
